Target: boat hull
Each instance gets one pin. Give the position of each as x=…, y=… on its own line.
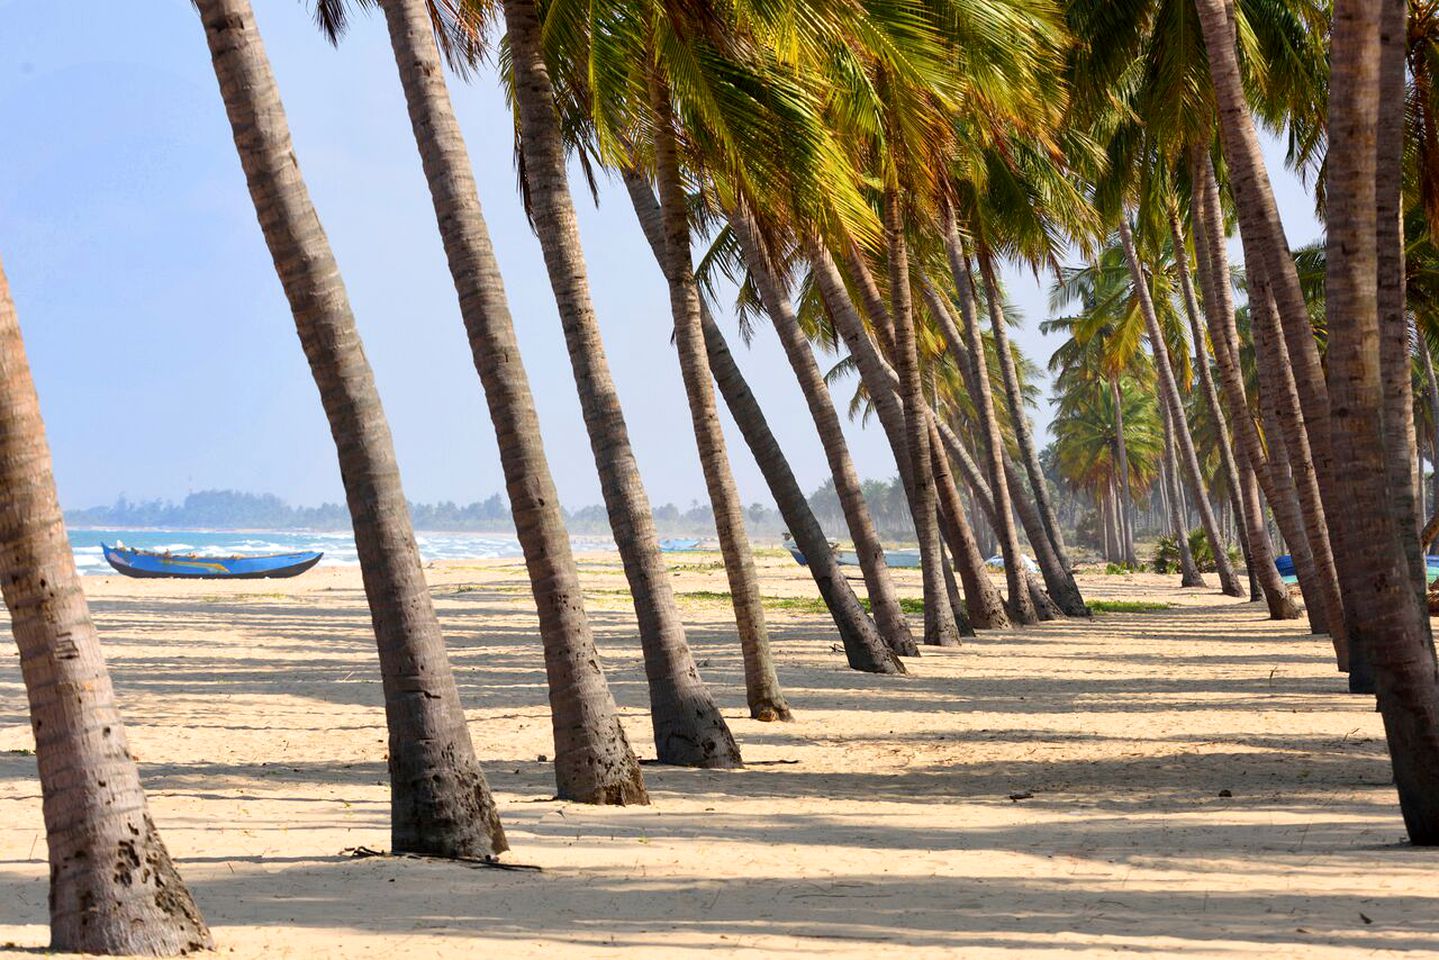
x=144, y=565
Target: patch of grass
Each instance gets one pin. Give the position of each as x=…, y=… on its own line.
x=22, y=752
x=1128, y=606
x=907, y=604
x=799, y=604
x=772, y=552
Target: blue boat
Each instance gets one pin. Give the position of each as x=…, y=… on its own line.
x=188, y=566
x=1285, y=566
x=674, y=545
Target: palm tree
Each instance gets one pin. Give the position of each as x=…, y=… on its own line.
x=884, y=601
x=1259, y=223
x=1307, y=538
x=939, y=625
x=1373, y=564
x=440, y=804
x=982, y=603
x=1169, y=396
x=992, y=441
x=688, y=727
x=113, y=887
x=593, y=759
x=865, y=649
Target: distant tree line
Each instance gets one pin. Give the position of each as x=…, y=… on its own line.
x=237, y=510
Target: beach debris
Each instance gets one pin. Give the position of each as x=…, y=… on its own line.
x=1021, y=795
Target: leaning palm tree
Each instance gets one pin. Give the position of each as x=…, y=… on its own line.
x=593, y=759
x=688, y=727
x=113, y=887
x=440, y=804
x=1373, y=555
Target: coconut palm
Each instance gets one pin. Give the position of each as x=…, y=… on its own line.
x=1170, y=397
x=884, y=601
x=688, y=727
x=593, y=759
x=113, y=888
x=865, y=649
x=1374, y=566
x=440, y=804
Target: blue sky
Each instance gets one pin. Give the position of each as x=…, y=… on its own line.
x=163, y=348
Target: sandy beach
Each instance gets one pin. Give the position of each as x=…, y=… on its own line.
x=879, y=824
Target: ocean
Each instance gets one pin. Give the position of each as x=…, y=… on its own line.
x=339, y=548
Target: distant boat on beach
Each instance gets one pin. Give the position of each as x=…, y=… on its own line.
x=676, y=545
x=150, y=564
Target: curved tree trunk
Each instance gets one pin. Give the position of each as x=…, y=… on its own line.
x=439, y=802
x=761, y=684
x=940, y=628
x=1062, y=593
x=704, y=413
x=1373, y=565
x=1121, y=449
x=688, y=727
x=1169, y=395
x=1023, y=432
x=1258, y=551
x=1431, y=383
x=864, y=647
x=882, y=384
x=113, y=887
x=1321, y=596
x=593, y=759
x=884, y=600
x=1189, y=575
x=1020, y=606
x=1206, y=378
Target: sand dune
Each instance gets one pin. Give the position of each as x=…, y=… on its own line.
x=878, y=824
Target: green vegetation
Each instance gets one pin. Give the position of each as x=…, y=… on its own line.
x=1128, y=606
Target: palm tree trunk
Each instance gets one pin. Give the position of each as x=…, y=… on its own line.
x=1169, y=395
x=884, y=600
x=1000, y=515
x=1063, y=593
x=1244, y=500
x=1262, y=230
x=1394, y=327
x=593, y=759
x=1023, y=434
x=1373, y=565
x=940, y=628
x=1020, y=607
x=439, y=802
x=688, y=728
x=1121, y=446
x=1321, y=596
x=981, y=598
x=704, y=413
x=1178, y=527
x=856, y=631
x=113, y=887
x=863, y=646
x=1206, y=378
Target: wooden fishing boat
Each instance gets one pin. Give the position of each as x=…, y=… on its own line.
x=188, y=566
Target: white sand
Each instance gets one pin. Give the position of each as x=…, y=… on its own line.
x=877, y=825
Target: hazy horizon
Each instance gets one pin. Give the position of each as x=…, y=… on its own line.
x=164, y=350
